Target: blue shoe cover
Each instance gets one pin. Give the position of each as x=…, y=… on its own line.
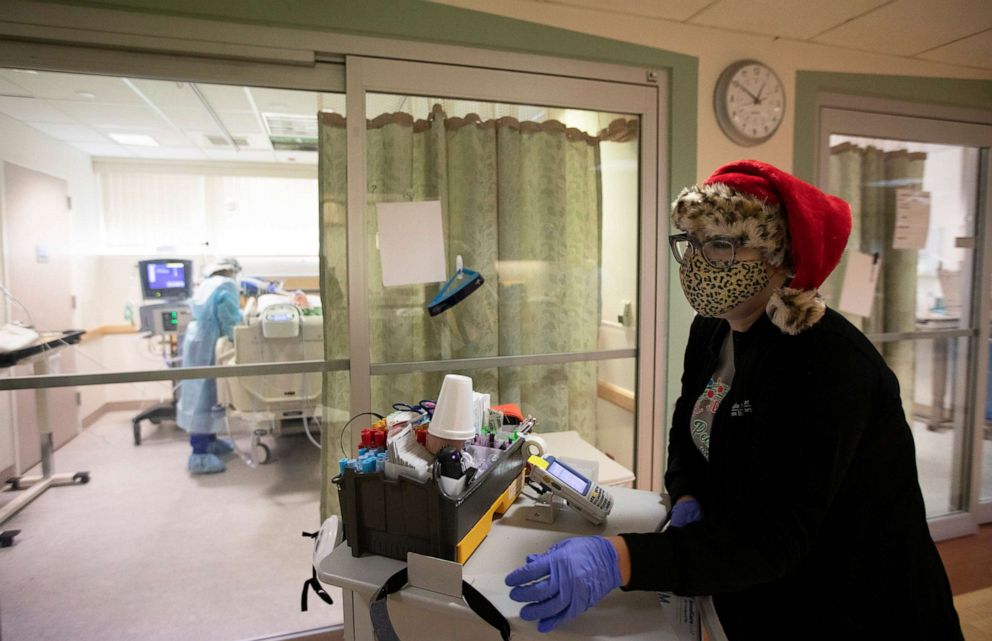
x=220, y=447
x=205, y=464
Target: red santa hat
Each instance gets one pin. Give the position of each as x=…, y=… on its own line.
x=793, y=222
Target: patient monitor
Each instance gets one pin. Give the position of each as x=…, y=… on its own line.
x=276, y=331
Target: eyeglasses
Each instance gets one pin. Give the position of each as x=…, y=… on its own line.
x=718, y=252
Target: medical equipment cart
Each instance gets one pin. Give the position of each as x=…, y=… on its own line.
x=426, y=610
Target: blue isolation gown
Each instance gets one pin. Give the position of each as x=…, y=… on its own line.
x=216, y=311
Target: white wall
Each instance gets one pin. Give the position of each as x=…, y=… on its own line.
x=27, y=147
x=716, y=49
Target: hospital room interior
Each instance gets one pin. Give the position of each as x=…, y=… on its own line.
x=382, y=245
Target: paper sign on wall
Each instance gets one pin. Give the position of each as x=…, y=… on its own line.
x=858, y=291
x=912, y=219
x=411, y=243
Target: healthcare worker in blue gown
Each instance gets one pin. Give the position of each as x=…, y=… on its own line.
x=216, y=311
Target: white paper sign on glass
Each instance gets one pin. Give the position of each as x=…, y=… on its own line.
x=858, y=290
x=912, y=219
x=411, y=243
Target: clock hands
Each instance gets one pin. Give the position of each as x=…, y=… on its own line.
x=755, y=98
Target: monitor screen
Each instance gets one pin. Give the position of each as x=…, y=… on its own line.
x=166, y=279
x=568, y=477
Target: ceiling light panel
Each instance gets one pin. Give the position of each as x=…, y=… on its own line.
x=134, y=140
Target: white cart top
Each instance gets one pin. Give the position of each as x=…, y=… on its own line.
x=621, y=615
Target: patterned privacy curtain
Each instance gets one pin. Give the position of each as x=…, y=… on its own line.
x=868, y=178
x=521, y=203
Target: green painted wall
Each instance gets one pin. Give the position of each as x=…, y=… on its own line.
x=975, y=94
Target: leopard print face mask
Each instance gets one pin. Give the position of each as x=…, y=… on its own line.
x=713, y=291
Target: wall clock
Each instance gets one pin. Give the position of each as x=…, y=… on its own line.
x=749, y=101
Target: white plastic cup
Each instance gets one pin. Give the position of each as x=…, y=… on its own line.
x=454, y=416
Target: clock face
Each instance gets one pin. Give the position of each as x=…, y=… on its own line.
x=750, y=102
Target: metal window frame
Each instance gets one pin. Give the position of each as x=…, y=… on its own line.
x=496, y=85
x=890, y=119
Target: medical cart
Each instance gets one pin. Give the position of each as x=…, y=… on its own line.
x=428, y=612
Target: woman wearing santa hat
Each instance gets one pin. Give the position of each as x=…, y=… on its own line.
x=791, y=464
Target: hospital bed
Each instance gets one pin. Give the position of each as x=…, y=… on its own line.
x=275, y=331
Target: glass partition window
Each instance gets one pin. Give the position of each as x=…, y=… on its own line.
x=543, y=204
x=914, y=218
x=169, y=181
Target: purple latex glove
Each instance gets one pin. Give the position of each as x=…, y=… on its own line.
x=568, y=579
x=686, y=512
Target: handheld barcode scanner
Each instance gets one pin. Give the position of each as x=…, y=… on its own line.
x=591, y=500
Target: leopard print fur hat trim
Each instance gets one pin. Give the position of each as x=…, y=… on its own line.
x=793, y=222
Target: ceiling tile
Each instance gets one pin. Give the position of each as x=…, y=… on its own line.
x=10, y=87
x=192, y=119
x=108, y=150
x=259, y=141
x=67, y=86
x=782, y=18
x=169, y=153
x=285, y=102
x=33, y=110
x=164, y=137
x=70, y=133
x=665, y=9
x=240, y=123
x=975, y=51
x=167, y=94
x=245, y=155
x=226, y=97
x=909, y=27
x=297, y=157
x=116, y=117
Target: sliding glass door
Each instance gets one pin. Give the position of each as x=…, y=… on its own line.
x=540, y=185
x=920, y=235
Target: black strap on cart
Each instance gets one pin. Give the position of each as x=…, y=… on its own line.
x=383, y=629
x=313, y=583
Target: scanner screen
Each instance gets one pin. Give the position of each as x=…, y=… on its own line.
x=568, y=477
